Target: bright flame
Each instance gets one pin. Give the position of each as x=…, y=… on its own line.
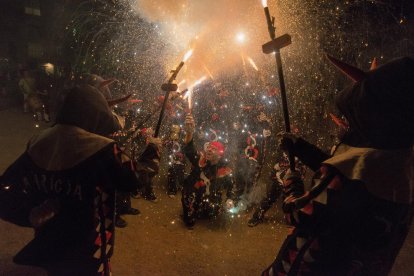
x=252, y=63
x=188, y=55
x=187, y=94
x=264, y=3
x=241, y=37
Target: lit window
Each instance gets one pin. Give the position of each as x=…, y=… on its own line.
x=32, y=7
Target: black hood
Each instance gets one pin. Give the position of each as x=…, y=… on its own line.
x=380, y=108
x=87, y=108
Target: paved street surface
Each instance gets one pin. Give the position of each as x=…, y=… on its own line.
x=156, y=242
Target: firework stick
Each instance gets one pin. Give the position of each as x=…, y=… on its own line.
x=190, y=106
x=168, y=90
x=150, y=115
x=274, y=46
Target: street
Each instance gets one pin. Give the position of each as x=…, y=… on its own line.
x=156, y=242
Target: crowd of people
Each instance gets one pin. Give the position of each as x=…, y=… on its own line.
x=33, y=90
x=76, y=179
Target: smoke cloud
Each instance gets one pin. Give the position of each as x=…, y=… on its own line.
x=223, y=33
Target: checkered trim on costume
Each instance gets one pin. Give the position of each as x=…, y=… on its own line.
x=104, y=230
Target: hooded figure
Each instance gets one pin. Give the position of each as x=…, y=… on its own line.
x=356, y=216
x=64, y=186
x=85, y=107
x=100, y=83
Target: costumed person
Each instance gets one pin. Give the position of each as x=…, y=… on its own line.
x=213, y=113
x=251, y=133
x=209, y=177
x=176, y=161
x=64, y=186
x=100, y=83
x=32, y=97
x=148, y=171
x=176, y=164
x=123, y=199
x=275, y=191
x=356, y=216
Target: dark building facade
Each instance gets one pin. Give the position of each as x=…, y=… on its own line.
x=32, y=31
x=32, y=36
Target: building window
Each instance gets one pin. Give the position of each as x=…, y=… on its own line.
x=32, y=7
x=34, y=50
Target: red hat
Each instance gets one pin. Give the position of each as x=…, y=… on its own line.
x=218, y=146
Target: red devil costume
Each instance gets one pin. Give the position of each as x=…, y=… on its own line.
x=276, y=188
x=123, y=200
x=356, y=216
x=201, y=195
x=64, y=186
x=251, y=136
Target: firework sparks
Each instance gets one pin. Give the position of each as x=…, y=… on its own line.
x=191, y=89
x=252, y=63
x=208, y=71
x=140, y=43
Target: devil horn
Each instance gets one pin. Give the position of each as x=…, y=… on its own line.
x=374, y=64
x=119, y=100
x=338, y=121
x=352, y=72
x=106, y=82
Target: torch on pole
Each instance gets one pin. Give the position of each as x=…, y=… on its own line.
x=274, y=46
x=168, y=87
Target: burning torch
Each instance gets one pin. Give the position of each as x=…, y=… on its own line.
x=168, y=87
x=274, y=46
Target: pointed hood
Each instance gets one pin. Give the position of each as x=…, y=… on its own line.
x=379, y=106
x=86, y=107
x=350, y=71
x=99, y=83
